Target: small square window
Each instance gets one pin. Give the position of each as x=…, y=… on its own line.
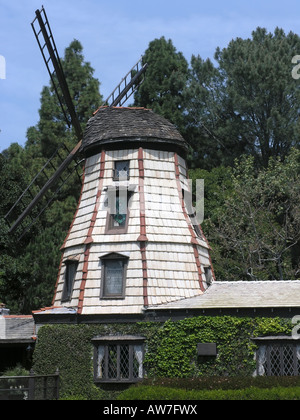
x=121, y=170
x=113, y=277
x=70, y=273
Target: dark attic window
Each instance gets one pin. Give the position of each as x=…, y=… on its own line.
x=121, y=170
x=208, y=275
x=188, y=201
x=70, y=273
x=113, y=279
x=118, y=210
x=197, y=228
x=118, y=359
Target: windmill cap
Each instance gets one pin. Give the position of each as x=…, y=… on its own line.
x=122, y=128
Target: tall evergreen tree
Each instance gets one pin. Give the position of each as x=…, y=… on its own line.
x=206, y=112
x=165, y=80
x=52, y=129
x=28, y=269
x=249, y=103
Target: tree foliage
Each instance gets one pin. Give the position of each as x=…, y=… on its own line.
x=248, y=104
x=52, y=129
x=28, y=268
x=166, y=77
x=255, y=230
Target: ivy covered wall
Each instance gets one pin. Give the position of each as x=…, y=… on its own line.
x=171, y=348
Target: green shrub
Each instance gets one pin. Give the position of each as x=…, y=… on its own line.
x=19, y=370
x=152, y=393
x=224, y=383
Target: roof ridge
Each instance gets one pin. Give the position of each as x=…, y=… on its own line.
x=254, y=281
x=121, y=107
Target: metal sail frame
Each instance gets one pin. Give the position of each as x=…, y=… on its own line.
x=128, y=85
x=118, y=97
x=46, y=43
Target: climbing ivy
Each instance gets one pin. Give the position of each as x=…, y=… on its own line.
x=173, y=353
x=171, y=349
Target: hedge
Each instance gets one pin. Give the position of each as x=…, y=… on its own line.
x=224, y=383
x=170, y=349
x=154, y=393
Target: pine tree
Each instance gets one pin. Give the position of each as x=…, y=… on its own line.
x=52, y=129
x=165, y=80
x=248, y=104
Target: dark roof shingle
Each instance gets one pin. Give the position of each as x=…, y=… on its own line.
x=120, y=127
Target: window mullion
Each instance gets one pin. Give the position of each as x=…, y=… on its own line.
x=106, y=357
x=118, y=362
x=295, y=364
x=282, y=373
x=130, y=362
x=268, y=361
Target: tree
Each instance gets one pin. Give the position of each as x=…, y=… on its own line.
x=28, y=269
x=255, y=234
x=206, y=115
x=165, y=80
x=52, y=129
x=249, y=103
x=14, y=273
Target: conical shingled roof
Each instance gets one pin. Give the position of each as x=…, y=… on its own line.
x=122, y=127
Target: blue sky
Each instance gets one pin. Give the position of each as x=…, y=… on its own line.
x=114, y=34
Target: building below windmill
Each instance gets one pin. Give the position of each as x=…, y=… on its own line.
x=17, y=338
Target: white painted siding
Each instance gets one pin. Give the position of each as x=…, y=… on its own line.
x=171, y=265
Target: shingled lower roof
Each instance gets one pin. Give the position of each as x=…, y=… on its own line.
x=121, y=127
x=242, y=294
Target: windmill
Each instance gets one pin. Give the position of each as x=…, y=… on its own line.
x=134, y=242
x=36, y=198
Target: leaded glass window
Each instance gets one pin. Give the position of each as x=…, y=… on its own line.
x=118, y=359
x=278, y=358
x=121, y=171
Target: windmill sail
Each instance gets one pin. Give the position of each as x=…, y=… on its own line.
x=128, y=85
x=49, y=178
x=25, y=206
x=45, y=40
x=50, y=173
